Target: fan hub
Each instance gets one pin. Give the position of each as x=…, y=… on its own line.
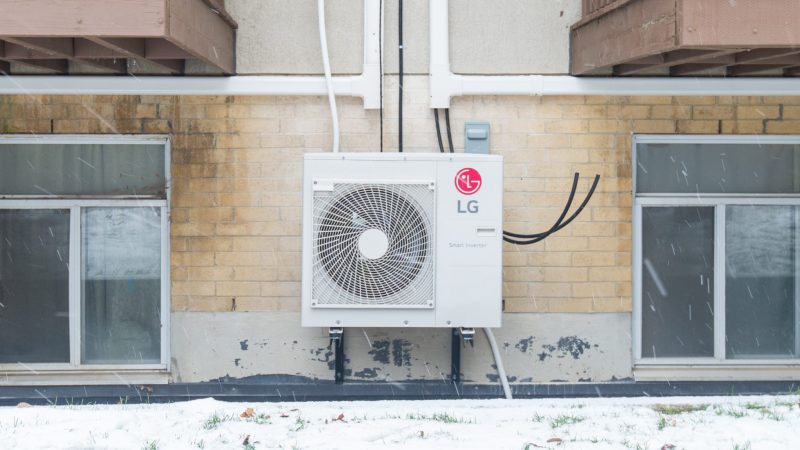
x=373, y=243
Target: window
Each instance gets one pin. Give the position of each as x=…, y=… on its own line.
x=84, y=268
x=716, y=250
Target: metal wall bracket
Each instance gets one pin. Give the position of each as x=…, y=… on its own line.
x=337, y=345
x=459, y=334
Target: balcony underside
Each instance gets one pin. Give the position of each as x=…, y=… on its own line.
x=116, y=37
x=687, y=38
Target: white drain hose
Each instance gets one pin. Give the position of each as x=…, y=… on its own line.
x=326, y=64
x=498, y=361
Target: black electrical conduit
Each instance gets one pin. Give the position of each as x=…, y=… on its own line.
x=380, y=62
x=560, y=218
x=558, y=225
x=400, y=90
x=438, y=131
x=449, y=136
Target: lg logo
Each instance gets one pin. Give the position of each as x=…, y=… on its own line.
x=468, y=181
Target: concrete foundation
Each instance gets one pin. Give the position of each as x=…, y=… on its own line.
x=536, y=348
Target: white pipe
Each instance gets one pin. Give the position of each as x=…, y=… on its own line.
x=444, y=84
x=498, y=361
x=165, y=85
x=326, y=65
x=365, y=86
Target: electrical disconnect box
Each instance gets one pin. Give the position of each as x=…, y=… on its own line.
x=476, y=137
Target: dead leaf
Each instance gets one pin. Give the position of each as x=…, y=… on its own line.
x=249, y=412
x=284, y=415
x=667, y=447
x=246, y=438
x=340, y=418
x=555, y=440
x=23, y=405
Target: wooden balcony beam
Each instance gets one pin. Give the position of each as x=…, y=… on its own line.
x=136, y=49
x=673, y=58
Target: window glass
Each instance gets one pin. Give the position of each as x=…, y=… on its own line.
x=121, y=285
x=82, y=169
x=34, y=286
x=677, y=282
x=760, y=281
x=685, y=168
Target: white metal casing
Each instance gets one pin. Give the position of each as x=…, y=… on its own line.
x=467, y=251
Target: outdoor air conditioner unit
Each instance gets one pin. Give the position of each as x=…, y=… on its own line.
x=402, y=240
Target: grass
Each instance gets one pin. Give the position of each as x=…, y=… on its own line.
x=440, y=417
x=730, y=411
x=215, y=420
x=299, y=424
x=150, y=445
x=772, y=415
x=260, y=419
x=671, y=410
x=563, y=420
x=745, y=446
x=662, y=423
x=538, y=418
x=634, y=445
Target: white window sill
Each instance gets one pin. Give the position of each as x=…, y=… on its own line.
x=716, y=372
x=83, y=377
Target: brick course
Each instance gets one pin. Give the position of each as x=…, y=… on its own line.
x=237, y=168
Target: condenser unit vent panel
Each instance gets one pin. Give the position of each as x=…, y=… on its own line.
x=373, y=244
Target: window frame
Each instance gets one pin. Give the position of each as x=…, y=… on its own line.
x=75, y=204
x=707, y=367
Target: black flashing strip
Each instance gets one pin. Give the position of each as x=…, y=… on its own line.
x=354, y=390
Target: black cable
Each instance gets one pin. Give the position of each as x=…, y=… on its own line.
x=380, y=61
x=447, y=122
x=560, y=218
x=400, y=56
x=438, y=132
x=560, y=227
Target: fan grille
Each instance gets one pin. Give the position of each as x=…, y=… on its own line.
x=402, y=274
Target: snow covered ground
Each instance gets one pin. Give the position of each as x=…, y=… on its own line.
x=764, y=422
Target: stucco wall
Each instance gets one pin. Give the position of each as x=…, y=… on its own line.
x=486, y=36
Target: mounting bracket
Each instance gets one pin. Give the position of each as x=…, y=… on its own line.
x=337, y=345
x=459, y=334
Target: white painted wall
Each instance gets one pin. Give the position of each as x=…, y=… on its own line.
x=539, y=348
x=486, y=36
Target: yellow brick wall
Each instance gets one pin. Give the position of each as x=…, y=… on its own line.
x=237, y=166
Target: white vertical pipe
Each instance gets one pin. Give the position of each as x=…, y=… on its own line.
x=369, y=82
x=326, y=64
x=498, y=361
x=372, y=29
x=441, y=79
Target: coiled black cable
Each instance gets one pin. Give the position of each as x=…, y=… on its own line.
x=538, y=237
x=572, y=191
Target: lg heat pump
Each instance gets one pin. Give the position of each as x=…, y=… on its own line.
x=402, y=240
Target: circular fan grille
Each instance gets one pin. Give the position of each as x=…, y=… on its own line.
x=399, y=272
